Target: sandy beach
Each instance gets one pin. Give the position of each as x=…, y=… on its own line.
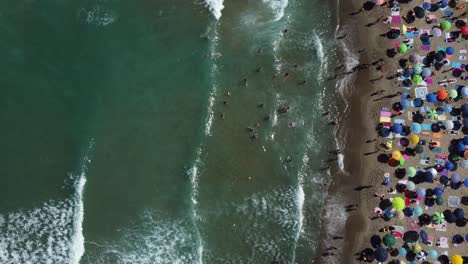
x=373, y=89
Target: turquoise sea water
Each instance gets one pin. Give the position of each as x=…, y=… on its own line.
x=113, y=145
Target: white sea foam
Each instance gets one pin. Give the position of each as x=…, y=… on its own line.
x=277, y=7
x=214, y=86
x=215, y=7
x=194, y=176
x=351, y=59
x=51, y=233
x=97, y=15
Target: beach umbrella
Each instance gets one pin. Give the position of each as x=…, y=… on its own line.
x=384, y=132
x=465, y=182
x=400, y=215
x=417, y=79
x=449, y=50
x=396, y=155
x=460, y=23
x=449, y=124
x=402, y=48
x=400, y=173
x=389, y=240
x=384, y=204
x=418, y=102
x=445, y=25
x=443, y=3
x=411, y=171
x=457, y=239
x=435, y=127
x=444, y=180
x=439, y=56
x=410, y=186
x=367, y=254
x=398, y=203
x=438, y=191
x=436, y=32
x=417, y=211
x=448, y=108
x=428, y=177
x=411, y=256
x=432, y=254
x=424, y=37
x=400, y=187
x=464, y=109
x=411, y=236
x=381, y=254
x=375, y=241
x=405, y=103
x=449, y=165
x=394, y=252
x=465, y=91
x=421, y=192
x=431, y=98
x=406, y=72
x=461, y=147
x=417, y=69
x=404, y=29
x=430, y=193
x=421, y=255
x=459, y=213
x=424, y=219
x=418, y=118
x=404, y=142
x=427, y=5
x=465, y=122
x=432, y=114
x=403, y=251
x=442, y=94
x=417, y=248
x=407, y=83
x=426, y=72
x=465, y=140
x=440, y=110
x=457, y=259
x=408, y=212
x=444, y=259
x=439, y=201
x=432, y=171
x=464, y=30
x=404, y=95
x=414, y=139
x=423, y=236
x=456, y=72
x=397, y=128
x=419, y=12
x=438, y=218
x=453, y=93
x=455, y=178
x=419, y=149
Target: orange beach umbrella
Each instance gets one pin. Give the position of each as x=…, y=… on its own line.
x=442, y=94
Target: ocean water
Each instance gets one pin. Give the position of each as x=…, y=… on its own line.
x=124, y=130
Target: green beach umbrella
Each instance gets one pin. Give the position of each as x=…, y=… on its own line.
x=417, y=79
x=419, y=149
x=446, y=25
x=432, y=114
x=404, y=29
x=417, y=69
x=389, y=240
x=438, y=218
x=439, y=200
x=453, y=93
x=398, y=203
x=411, y=171
x=402, y=161
x=402, y=48
x=417, y=211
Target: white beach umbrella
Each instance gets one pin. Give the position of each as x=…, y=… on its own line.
x=433, y=172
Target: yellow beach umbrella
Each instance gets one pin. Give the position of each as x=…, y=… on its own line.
x=398, y=203
x=417, y=248
x=414, y=139
x=404, y=29
x=457, y=259
x=396, y=155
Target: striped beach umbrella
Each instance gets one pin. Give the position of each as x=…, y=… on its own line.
x=432, y=114
x=438, y=218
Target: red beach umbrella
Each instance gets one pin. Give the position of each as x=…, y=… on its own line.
x=442, y=94
x=464, y=30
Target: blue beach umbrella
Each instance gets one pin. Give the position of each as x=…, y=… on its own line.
x=459, y=213
x=416, y=128
x=461, y=147
x=403, y=252
x=448, y=108
x=405, y=103
x=418, y=102
x=421, y=192
x=464, y=92
x=465, y=140
x=464, y=108
x=384, y=132
x=381, y=254
x=431, y=98
x=406, y=73
x=455, y=178
x=428, y=177
x=465, y=182
x=465, y=122
x=449, y=51
x=432, y=254
x=397, y=128
x=426, y=72
x=438, y=191
x=449, y=165
x=404, y=96
x=427, y=5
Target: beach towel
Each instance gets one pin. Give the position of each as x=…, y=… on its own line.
x=421, y=92
x=437, y=150
x=398, y=231
x=462, y=57
x=396, y=44
x=453, y=201
x=428, y=81
x=463, y=51
x=442, y=227
x=426, y=47
x=442, y=156
x=425, y=133
x=456, y=64
x=410, y=35
x=426, y=127
x=396, y=19
x=442, y=242
x=411, y=225
x=430, y=241
x=438, y=135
